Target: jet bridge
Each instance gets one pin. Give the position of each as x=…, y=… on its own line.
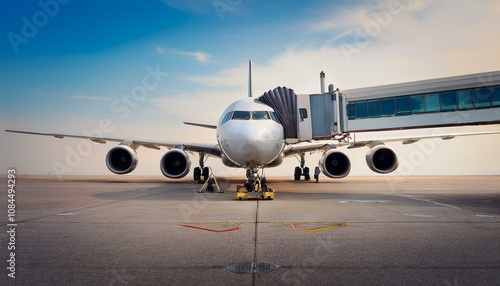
x=452, y=101
x=308, y=116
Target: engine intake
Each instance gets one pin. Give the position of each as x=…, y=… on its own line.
x=175, y=164
x=121, y=159
x=335, y=164
x=382, y=159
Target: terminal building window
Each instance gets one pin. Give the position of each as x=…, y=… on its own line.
x=417, y=104
x=374, y=108
x=402, y=105
x=432, y=102
x=481, y=98
x=361, y=111
x=351, y=111
x=388, y=107
x=495, y=96
x=465, y=99
x=446, y=101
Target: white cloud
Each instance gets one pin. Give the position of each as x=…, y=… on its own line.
x=159, y=49
x=194, y=6
x=199, y=56
x=92, y=98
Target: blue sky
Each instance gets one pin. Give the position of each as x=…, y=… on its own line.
x=66, y=65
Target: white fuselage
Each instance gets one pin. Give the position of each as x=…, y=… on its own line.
x=249, y=134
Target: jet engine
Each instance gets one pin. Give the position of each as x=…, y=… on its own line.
x=382, y=159
x=335, y=164
x=121, y=159
x=175, y=164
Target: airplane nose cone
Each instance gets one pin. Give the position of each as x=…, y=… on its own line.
x=253, y=146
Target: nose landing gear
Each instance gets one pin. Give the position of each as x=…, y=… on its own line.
x=255, y=187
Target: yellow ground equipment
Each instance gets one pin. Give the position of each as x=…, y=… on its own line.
x=258, y=191
x=209, y=184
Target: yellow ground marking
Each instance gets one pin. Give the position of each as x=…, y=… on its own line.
x=326, y=225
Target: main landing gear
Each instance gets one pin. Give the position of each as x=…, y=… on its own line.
x=201, y=173
x=255, y=187
x=302, y=170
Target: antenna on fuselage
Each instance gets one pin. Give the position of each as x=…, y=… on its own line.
x=250, y=78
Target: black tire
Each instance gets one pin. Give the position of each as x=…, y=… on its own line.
x=306, y=171
x=196, y=173
x=297, y=173
x=206, y=173
x=307, y=176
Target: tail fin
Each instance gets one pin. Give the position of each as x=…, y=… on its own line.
x=250, y=78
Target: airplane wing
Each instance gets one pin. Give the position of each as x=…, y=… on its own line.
x=211, y=149
x=411, y=140
x=291, y=150
x=201, y=125
x=300, y=148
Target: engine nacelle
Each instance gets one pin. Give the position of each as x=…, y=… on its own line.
x=382, y=159
x=335, y=164
x=121, y=159
x=175, y=164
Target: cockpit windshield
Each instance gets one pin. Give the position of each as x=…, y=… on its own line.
x=241, y=115
x=260, y=115
x=247, y=115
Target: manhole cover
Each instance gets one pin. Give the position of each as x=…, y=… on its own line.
x=250, y=267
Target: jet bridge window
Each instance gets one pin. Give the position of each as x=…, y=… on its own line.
x=260, y=115
x=303, y=113
x=241, y=115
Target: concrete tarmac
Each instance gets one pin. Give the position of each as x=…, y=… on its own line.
x=131, y=230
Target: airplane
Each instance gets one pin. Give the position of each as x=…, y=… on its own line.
x=250, y=135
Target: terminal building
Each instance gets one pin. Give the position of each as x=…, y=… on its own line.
x=451, y=101
x=472, y=99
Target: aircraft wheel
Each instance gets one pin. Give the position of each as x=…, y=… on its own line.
x=206, y=173
x=307, y=177
x=297, y=173
x=196, y=173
